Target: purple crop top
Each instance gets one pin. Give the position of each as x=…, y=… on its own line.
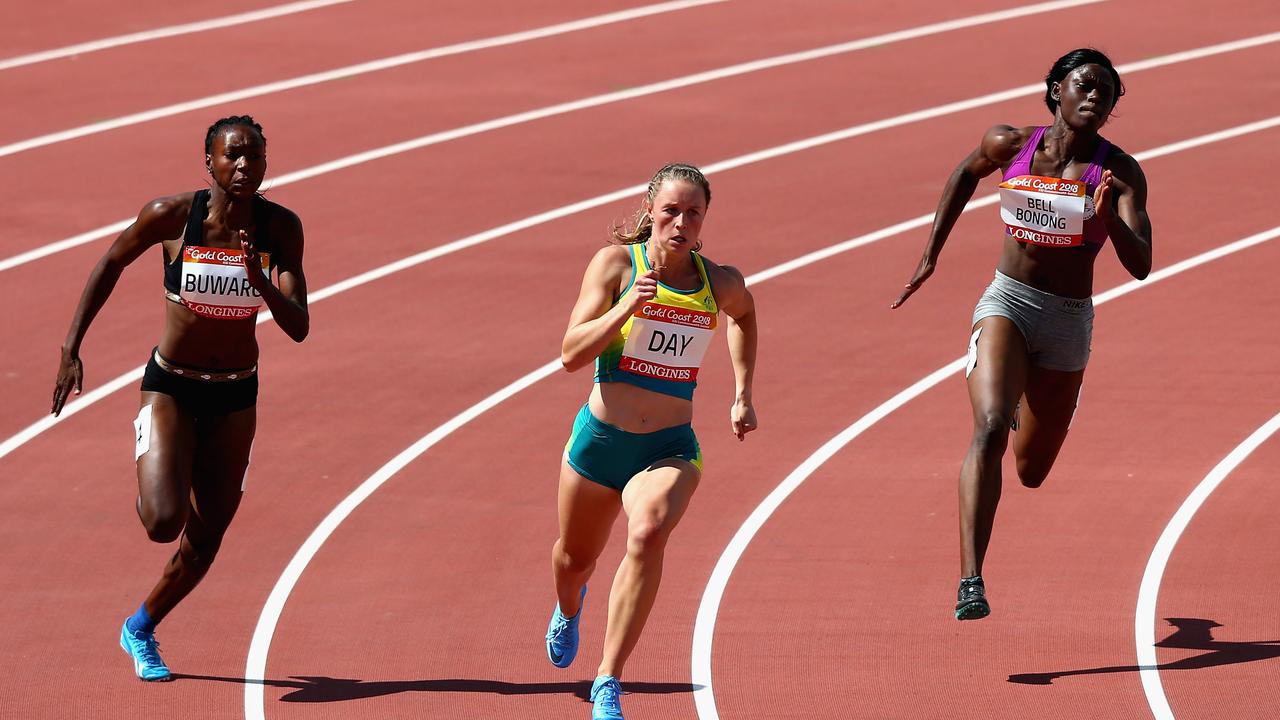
x=1095, y=231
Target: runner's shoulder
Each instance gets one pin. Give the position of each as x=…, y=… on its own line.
x=1001, y=143
x=1124, y=167
x=282, y=221
x=166, y=214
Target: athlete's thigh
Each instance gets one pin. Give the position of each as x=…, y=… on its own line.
x=661, y=493
x=587, y=512
x=1048, y=405
x=164, y=446
x=997, y=367
x=223, y=448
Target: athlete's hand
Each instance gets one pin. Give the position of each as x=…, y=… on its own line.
x=252, y=260
x=1102, y=197
x=644, y=289
x=922, y=273
x=70, y=377
x=742, y=417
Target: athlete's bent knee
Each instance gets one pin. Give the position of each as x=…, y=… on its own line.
x=1032, y=474
x=163, y=524
x=571, y=563
x=647, y=537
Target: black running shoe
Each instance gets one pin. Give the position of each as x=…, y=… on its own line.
x=971, y=599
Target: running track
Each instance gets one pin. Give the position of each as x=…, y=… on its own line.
x=429, y=600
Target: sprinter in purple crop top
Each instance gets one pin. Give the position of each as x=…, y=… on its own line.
x=1065, y=190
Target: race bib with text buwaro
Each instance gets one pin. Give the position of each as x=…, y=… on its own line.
x=667, y=342
x=215, y=284
x=1044, y=210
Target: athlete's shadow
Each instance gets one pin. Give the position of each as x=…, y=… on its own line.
x=320, y=689
x=1189, y=633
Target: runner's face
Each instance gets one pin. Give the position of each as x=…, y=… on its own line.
x=1086, y=96
x=238, y=161
x=677, y=214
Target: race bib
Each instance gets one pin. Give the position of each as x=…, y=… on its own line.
x=667, y=342
x=1043, y=210
x=215, y=284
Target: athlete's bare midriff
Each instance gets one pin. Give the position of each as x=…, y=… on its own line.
x=637, y=410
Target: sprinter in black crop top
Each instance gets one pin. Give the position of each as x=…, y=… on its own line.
x=198, y=414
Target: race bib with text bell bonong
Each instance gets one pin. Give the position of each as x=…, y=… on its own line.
x=1044, y=210
x=667, y=342
x=215, y=284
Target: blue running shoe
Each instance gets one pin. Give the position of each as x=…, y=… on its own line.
x=605, y=692
x=562, y=635
x=145, y=651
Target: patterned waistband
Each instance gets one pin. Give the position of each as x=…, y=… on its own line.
x=197, y=374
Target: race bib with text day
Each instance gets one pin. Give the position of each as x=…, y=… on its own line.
x=1044, y=210
x=215, y=284
x=667, y=342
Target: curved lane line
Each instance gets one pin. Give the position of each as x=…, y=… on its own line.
x=572, y=106
x=259, y=646
x=1144, y=626
x=704, y=624
x=164, y=32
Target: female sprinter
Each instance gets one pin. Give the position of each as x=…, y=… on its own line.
x=196, y=424
x=1065, y=190
x=646, y=313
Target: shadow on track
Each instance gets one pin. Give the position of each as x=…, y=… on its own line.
x=320, y=689
x=1188, y=634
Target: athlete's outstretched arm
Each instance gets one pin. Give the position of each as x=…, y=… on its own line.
x=159, y=220
x=1126, y=215
x=593, y=323
x=740, y=308
x=999, y=145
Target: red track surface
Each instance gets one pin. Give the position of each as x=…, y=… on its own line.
x=430, y=600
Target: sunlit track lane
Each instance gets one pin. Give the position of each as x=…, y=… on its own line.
x=451, y=201
x=470, y=172
x=246, y=567
x=1223, y=570
x=857, y=569
x=65, y=94
x=45, y=26
x=403, y=367
x=379, y=109
x=368, y=110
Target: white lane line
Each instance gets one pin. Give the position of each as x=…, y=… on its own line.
x=1144, y=626
x=256, y=664
x=164, y=32
x=259, y=646
x=349, y=71
x=568, y=107
x=704, y=624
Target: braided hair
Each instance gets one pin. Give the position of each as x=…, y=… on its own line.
x=227, y=122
